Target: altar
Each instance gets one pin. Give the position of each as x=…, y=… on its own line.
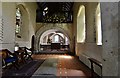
x=54, y=46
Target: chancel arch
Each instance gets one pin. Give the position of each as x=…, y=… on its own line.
x=46, y=28
x=55, y=36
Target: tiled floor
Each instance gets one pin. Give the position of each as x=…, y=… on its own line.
x=61, y=66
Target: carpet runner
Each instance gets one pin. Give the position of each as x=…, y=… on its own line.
x=25, y=71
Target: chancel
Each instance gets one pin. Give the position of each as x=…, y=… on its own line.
x=59, y=39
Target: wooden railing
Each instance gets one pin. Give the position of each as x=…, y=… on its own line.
x=45, y=47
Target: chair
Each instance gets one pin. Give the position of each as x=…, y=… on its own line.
x=8, y=57
x=28, y=53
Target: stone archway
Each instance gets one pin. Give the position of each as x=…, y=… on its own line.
x=49, y=27
x=51, y=33
x=32, y=42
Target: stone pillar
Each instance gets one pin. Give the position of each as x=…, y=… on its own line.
x=110, y=38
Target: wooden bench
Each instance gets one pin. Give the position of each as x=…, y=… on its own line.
x=96, y=62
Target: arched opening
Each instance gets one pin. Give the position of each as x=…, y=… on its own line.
x=32, y=42
x=81, y=25
x=59, y=27
x=98, y=26
x=55, y=38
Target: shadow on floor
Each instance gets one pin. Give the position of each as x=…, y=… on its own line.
x=25, y=70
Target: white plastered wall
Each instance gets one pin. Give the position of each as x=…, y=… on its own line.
x=29, y=24
x=9, y=23
x=8, y=16
x=89, y=48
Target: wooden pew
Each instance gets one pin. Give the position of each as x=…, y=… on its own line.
x=21, y=55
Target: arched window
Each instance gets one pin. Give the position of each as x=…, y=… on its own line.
x=18, y=22
x=22, y=23
x=81, y=25
x=56, y=38
x=98, y=26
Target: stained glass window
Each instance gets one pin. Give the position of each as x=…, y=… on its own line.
x=18, y=22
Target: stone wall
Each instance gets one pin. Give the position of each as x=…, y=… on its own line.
x=110, y=38
x=119, y=38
